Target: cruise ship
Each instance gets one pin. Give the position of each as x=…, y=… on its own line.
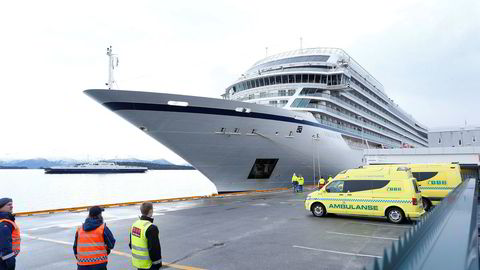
x=308, y=111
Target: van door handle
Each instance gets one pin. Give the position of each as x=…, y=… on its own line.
x=349, y=194
x=340, y=194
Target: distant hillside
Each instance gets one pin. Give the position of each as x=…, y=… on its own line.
x=12, y=167
x=37, y=163
x=40, y=163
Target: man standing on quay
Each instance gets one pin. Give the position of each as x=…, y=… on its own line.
x=93, y=242
x=9, y=235
x=144, y=241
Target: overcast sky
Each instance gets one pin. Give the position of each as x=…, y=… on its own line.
x=425, y=53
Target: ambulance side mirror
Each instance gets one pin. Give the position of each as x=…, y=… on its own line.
x=327, y=189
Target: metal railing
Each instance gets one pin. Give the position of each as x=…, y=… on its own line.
x=389, y=122
x=446, y=238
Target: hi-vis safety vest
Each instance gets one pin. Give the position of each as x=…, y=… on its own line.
x=321, y=183
x=300, y=180
x=15, y=240
x=91, y=248
x=140, y=256
x=294, y=178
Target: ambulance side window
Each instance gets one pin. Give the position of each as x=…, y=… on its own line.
x=336, y=187
x=357, y=185
x=422, y=176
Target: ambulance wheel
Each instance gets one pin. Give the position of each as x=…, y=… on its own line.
x=318, y=210
x=395, y=215
x=426, y=204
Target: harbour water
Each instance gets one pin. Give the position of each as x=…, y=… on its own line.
x=33, y=190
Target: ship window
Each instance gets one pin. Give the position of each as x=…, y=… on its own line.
x=298, y=78
x=292, y=92
x=261, y=82
x=291, y=78
x=262, y=168
x=334, y=79
x=272, y=80
x=267, y=81
x=282, y=92
x=278, y=79
x=474, y=139
x=249, y=85
x=304, y=78
x=317, y=78
x=439, y=140
x=284, y=78
x=459, y=142
x=324, y=79
x=299, y=129
x=244, y=84
x=311, y=78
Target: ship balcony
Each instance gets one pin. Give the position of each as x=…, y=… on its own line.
x=360, y=134
x=347, y=118
x=408, y=126
x=368, y=116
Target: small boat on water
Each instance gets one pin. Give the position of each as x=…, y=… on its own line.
x=96, y=167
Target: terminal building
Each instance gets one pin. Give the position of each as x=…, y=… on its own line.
x=454, y=137
x=460, y=145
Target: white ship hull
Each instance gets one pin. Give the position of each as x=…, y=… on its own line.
x=226, y=157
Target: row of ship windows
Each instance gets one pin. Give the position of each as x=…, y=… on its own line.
x=358, y=95
x=267, y=94
x=345, y=125
x=317, y=91
x=333, y=108
x=371, y=93
x=379, y=117
x=320, y=92
x=331, y=79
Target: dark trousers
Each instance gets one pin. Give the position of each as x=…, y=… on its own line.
x=3, y=266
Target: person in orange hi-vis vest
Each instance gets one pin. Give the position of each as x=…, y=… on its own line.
x=93, y=242
x=9, y=235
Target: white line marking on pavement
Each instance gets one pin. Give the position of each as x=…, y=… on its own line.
x=366, y=236
x=78, y=223
x=128, y=255
x=47, y=240
x=383, y=225
x=339, y=252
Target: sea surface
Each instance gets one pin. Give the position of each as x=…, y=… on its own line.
x=33, y=190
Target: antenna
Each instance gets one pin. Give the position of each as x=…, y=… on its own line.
x=301, y=43
x=266, y=51
x=112, y=63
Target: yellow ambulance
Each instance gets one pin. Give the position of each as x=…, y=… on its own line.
x=434, y=180
x=389, y=191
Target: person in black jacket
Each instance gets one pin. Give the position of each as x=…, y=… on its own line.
x=154, y=249
x=8, y=251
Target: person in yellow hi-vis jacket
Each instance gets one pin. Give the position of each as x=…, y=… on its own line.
x=301, y=181
x=294, y=182
x=321, y=183
x=144, y=241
